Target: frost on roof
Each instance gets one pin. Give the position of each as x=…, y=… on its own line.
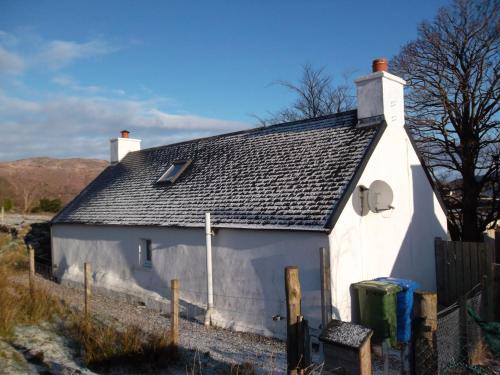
x=288, y=176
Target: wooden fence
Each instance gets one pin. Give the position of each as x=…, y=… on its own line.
x=460, y=266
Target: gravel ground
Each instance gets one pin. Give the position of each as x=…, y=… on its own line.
x=223, y=346
x=216, y=348
x=19, y=220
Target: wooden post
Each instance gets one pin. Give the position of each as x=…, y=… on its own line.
x=494, y=295
x=87, y=285
x=462, y=328
x=425, y=347
x=326, y=294
x=174, y=313
x=31, y=253
x=293, y=312
x=497, y=246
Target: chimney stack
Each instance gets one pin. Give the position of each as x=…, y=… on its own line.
x=380, y=96
x=119, y=147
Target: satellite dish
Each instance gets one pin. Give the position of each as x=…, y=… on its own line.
x=380, y=196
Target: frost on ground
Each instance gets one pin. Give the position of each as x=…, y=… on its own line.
x=209, y=349
x=20, y=220
x=38, y=350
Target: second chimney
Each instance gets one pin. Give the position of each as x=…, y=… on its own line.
x=119, y=147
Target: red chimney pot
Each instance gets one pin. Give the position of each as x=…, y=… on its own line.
x=124, y=133
x=380, y=65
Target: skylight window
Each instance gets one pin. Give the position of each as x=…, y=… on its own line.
x=174, y=171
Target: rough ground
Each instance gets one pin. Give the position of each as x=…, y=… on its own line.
x=215, y=348
x=20, y=220
x=212, y=350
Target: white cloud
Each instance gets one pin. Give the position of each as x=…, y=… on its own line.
x=10, y=62
x=72, y=119
x=70, y=83
x=62, y=126
x=60, y=53
x=20, y=52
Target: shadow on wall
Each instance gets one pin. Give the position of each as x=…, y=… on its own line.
x=416, y=258
x=134, y=282
x=39, y=238
x=248, y=272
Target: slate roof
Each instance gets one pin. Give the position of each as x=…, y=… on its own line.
x=287, y=176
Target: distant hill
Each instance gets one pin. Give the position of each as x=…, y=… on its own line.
x=26, y=181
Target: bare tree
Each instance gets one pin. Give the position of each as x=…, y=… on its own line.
x=316, y=96
x=452, y=69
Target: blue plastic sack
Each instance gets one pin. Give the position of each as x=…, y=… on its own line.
x=404, y=305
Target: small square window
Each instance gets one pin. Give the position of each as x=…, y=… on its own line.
x=174, y=171
x=147, y=255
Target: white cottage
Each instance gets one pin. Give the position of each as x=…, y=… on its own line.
x=276, y=195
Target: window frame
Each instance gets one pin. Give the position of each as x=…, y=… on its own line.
x=147, y=248
x=164, y=179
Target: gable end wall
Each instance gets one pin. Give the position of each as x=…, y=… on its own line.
x=397, y=243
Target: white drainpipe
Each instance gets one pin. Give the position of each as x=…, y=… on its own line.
x=210, y=292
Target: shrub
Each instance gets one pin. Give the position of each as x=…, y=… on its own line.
x=7, y=204
x=48, y=205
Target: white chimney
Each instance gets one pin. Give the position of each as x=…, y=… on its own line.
x=380, y=94
x=122, y=146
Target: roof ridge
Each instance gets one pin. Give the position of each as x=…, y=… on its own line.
x=260, y=128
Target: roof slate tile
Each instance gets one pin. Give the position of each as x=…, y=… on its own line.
x=284, y=176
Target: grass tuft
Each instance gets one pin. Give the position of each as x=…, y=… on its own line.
x=17, y=304
x=106, y=346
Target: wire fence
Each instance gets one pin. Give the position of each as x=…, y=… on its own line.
x=457, y=345
x=459, y=339
x=255, y=312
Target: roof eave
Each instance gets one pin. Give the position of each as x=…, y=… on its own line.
x=339, y=207
x=302, y=228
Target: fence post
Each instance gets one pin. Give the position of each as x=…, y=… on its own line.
x=326, y=295
x=425, y=347
x=31, y=253
x=293, y=313
x=439, y=262
x=495, y=291
x=87, y=281
x=497, y=246
x=174, y=313
x=462, y=328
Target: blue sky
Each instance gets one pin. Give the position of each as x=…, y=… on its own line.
x=72, y=74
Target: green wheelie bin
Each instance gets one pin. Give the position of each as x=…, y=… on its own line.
x=377, y=308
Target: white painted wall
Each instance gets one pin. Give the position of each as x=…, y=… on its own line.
x=248, y=268
x=120, y=147
x=399, y=242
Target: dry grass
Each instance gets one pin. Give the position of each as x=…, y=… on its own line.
x=17, y=304
x=105, y=346
x=481, y=354
x=246, y=368
x=102, y=345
